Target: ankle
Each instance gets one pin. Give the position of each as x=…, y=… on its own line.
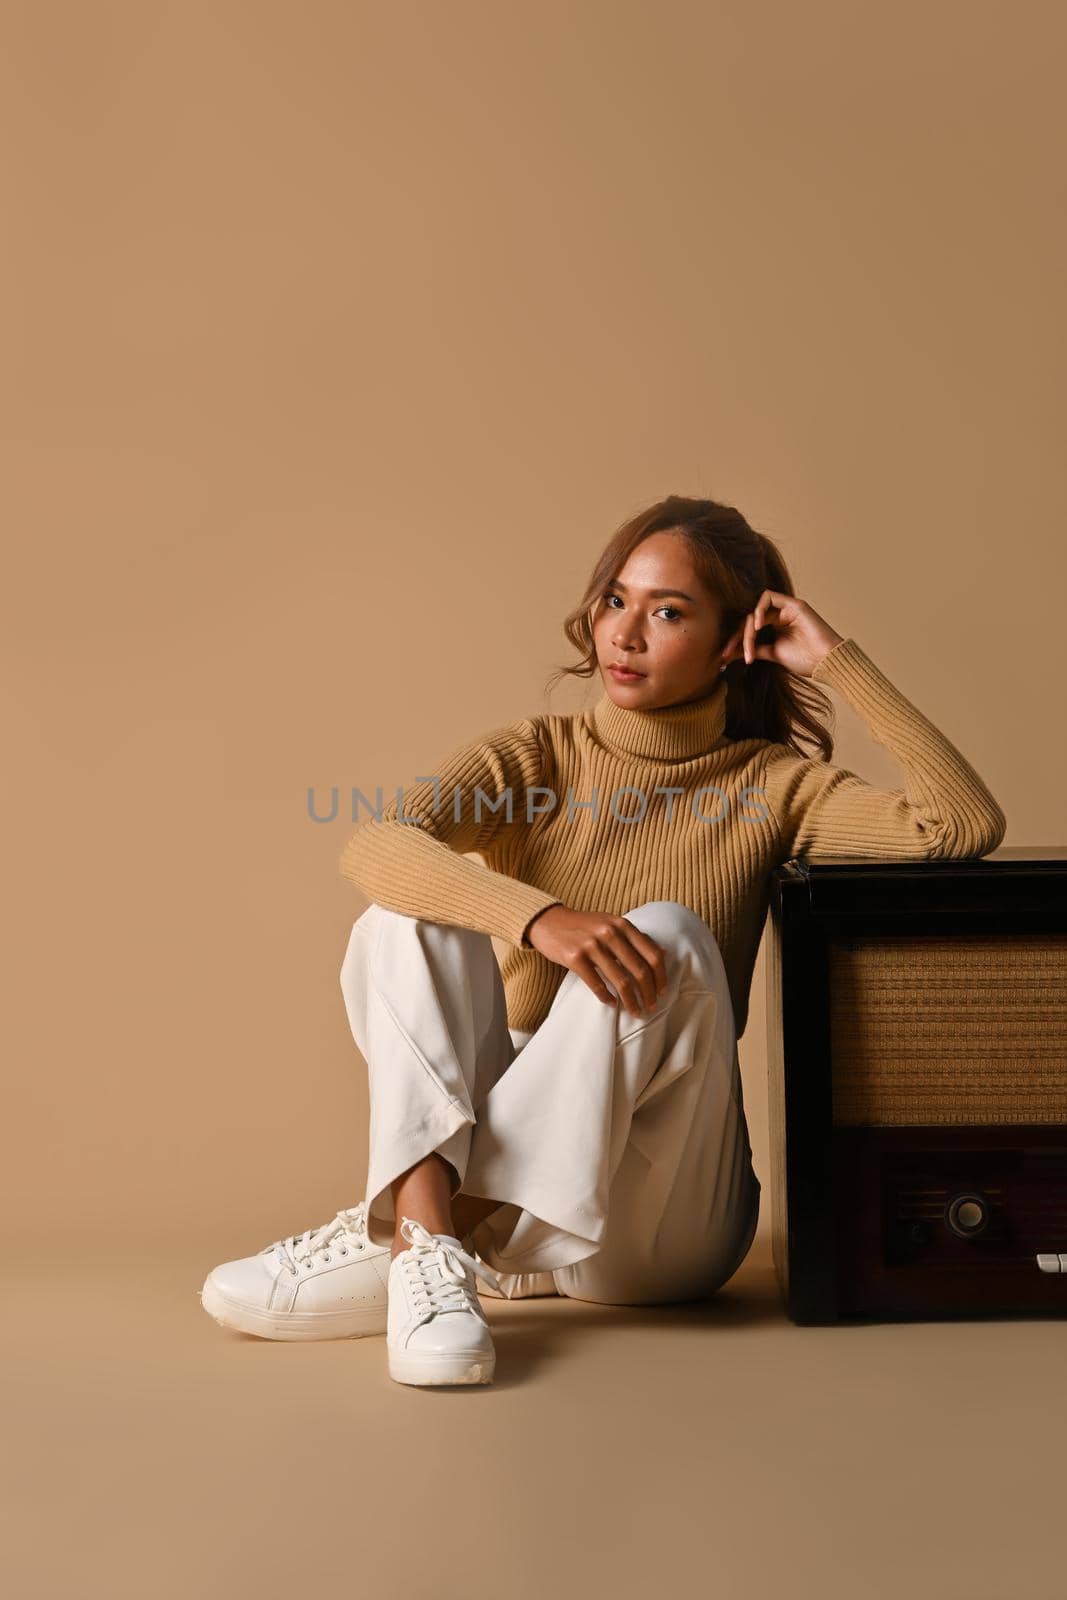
x=468, y=1210
x=431, y=1224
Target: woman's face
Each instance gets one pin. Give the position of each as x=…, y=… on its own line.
x=660, y=620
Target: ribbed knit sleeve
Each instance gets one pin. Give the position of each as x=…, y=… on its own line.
x=418, y=867
x=944, y=810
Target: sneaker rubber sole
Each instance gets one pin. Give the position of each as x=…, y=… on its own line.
x=295, y=1325
x=426, y=1367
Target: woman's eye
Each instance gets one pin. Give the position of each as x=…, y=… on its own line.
x=677, y=614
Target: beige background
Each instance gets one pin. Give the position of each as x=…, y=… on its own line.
x=337, y=340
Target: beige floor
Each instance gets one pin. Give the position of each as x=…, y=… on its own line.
x=710, y=1450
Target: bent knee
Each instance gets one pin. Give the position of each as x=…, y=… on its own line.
x=379, y=918
x=668, y=914
x=381, y=935
x=675, y=925
x=358, y=944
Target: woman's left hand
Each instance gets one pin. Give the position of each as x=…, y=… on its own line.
x=797, y=637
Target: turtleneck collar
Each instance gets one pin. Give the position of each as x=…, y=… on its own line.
x=668, y=733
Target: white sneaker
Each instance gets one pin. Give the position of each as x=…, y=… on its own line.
x=331, y=1282
x=437, y=1331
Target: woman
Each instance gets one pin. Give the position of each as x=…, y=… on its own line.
x=571, y=1121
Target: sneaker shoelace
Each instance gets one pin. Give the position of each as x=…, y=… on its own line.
x=435, y=1270
x=314, y=1243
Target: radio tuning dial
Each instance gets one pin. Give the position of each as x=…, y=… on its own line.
x=967, y=1214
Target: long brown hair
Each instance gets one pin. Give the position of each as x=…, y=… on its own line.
x=763, y=699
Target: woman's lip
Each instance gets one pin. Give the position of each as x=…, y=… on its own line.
x=621, y=672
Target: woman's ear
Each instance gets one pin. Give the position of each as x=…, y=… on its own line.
x=733, y=645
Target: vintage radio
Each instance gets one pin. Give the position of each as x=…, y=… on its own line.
x=918, y=1087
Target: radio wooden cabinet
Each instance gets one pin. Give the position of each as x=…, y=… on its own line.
x=917, y=1060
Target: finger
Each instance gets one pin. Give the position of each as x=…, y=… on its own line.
x=589, y=975
x=634, y=961
x=759, y=620
x=751, y=629
x=623, y=981
x=768, y=601
x=786, y=606
x=653, y=953
x=621, y=977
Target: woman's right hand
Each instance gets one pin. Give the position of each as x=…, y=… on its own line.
x=597, y=945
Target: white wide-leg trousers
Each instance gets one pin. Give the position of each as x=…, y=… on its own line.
x=616, y=1144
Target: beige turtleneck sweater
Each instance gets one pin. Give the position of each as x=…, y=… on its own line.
x=612, y=806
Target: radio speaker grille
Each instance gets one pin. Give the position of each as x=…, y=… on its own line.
x=964, y=1030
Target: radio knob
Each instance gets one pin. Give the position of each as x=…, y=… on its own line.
x=967, y=1214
